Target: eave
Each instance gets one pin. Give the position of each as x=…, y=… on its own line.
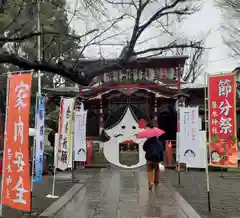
x=140, y=63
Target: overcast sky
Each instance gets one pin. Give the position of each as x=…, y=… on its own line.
x=217, y=59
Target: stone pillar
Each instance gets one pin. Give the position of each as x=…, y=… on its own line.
x=101, y=121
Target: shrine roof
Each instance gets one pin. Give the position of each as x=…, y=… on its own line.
x=88, y=92
x=151, y=62
x=62, y=91
x=164, y=89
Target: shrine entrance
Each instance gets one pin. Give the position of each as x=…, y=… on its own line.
x=124, y=112
x=167, y=121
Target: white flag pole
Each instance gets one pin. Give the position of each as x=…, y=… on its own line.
x=52, y=195
x=207, y=141
x=73, y=152
x=178, y=125
x=39, y=87
x=37, y=96
x=39, y=44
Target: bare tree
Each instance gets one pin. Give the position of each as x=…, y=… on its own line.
x=111, y=18
x=230, y=24
x=194, y=66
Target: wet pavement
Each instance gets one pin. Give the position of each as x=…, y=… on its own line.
x=63, y=185
x=124, y=194
x=225, y=192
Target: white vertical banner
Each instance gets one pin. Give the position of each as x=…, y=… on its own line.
x=65, y=134
x=80, y=121
x=189, y=134
x=39, y=140
x=200, y=161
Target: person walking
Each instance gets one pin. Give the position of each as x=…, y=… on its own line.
x=154, y=155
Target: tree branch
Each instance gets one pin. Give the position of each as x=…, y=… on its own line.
x=84, y=74
x=30, y=35
x=134, y=37
x=159, y=14
x=120, y=3
x=170, y=46
x=67, y=72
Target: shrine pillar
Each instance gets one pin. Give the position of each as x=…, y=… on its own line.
x=155, y=111
x=101, y=115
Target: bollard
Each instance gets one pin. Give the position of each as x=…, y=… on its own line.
x=168, y=147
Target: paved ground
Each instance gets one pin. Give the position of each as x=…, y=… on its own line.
x=225, y=192
x=124, y=194
x=40, y=202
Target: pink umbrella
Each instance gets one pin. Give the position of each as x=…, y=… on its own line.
x=150, y=132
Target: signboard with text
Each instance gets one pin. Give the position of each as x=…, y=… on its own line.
x=16, y=176
x=222, y=120
x=39, y=139
x=189, y=147
x=80, y=150
x=65, y=133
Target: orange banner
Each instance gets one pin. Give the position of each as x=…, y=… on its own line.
x=16, y=176
x=222, y=120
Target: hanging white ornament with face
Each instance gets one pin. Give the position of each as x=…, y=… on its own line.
x=125, y=130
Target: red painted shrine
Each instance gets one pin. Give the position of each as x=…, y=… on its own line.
x=146, y=87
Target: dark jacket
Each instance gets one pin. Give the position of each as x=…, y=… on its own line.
x=154, y=150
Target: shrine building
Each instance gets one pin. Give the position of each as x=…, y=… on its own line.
x=144, y=90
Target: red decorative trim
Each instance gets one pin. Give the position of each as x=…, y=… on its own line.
x=108, y=88
x=80, y=91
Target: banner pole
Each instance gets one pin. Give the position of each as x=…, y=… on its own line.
x=72, y=135
x=178, y=127
x=56, y=154
x=207, y=140
x=33, y=154
x=81, y=105
x=55, y=163
x=224, y=157
x=52, y=195
x=5, y=141
x=37, y=98
x=39, y=45
x=72, y=141
x=34, y=144
x=222, y=176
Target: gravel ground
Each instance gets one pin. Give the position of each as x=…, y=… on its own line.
x=40, y=202
x=225, y=192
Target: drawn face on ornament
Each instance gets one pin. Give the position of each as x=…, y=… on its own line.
x=189, y=154
x=125, y=130
x=215, y=157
